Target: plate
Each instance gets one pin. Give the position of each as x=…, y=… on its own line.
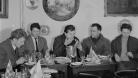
x=101, y=56
x=91, y=63
x=48, y=70
x=30, y=63
x=62, y=60
x=88, y=59
x=76, y=63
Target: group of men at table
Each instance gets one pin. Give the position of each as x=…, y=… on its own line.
x=123, y=48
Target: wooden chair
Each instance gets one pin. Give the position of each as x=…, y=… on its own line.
x=87, y=75
x=125, y=74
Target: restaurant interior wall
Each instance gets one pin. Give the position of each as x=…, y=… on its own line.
x=90, y=11
x=13, y=20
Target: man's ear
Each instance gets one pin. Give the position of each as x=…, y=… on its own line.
x=14, y=39
x=65, y=33
x=99, y=31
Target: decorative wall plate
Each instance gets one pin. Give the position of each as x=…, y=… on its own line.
x=31, y=4
x=124, y=21
x=44, y=30
x=61, y=10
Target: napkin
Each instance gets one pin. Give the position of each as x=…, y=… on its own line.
x=36, y=71
x=9, y=70
x=93, y=56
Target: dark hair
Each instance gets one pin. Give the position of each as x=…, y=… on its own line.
x=126, y=26
x=99, y=27
x=18, y=33
x=35, y=25
x=69, y=27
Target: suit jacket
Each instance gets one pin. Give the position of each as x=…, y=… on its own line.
x=101, y=46
x=7, y=53
x=132, y=46
x=42, y=45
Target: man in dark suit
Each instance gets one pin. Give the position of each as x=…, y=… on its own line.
x=125, y=48
x=34, y=42
x=8, y=49
x=96, y=41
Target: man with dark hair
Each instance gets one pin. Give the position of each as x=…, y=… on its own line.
x=66, y=39
x=9, y=49
x=124, y=48
x=99, y=44
x=34, y=42
x=126, y=26
x=69, y=27
x=96, y=41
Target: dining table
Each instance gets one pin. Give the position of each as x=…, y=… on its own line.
x=59, y=67
x=76, y=69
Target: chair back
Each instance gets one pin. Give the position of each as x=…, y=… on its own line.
x=125, y=74
x=87, y=75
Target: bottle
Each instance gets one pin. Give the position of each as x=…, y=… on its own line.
x=16, y=74
x=2, y=75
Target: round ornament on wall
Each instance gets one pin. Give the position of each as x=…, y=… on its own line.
x=32, y=4
x=61, y=10
x=45, y=30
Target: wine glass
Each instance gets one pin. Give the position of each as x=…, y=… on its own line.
x=73, y=55
x=28, y=58
x=39, y=55
x=83, y=59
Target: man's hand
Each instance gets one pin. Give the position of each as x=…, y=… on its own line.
x=68, y=41
x=21, y=60
x=117, y=58
x=129, y=54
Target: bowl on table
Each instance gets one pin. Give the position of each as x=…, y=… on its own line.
x=76, y=63
x=62, y=60
x=30, y=63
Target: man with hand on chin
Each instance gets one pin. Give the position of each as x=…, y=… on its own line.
x=66, y=39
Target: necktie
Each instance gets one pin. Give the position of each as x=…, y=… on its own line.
x=36, y=45
x=15, y=51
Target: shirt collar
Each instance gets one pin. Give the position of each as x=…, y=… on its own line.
x=34, y=37
x=14, y=47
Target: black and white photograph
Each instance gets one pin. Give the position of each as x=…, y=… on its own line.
x=68, y=38
x=3, y=8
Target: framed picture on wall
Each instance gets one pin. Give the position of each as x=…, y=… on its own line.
x=121, y=7
x=61, y=10
x=3, y=8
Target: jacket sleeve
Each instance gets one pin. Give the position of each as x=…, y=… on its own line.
x=3, y=58
x=113, y=50
x=135, y=52
x=45, y=47
x=107, y=48
x=85, y=49
x=58, y=47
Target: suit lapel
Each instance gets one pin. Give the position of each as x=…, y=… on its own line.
x=31, y=43
x=39, y=43
x=11, y=53
x=11, y=48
